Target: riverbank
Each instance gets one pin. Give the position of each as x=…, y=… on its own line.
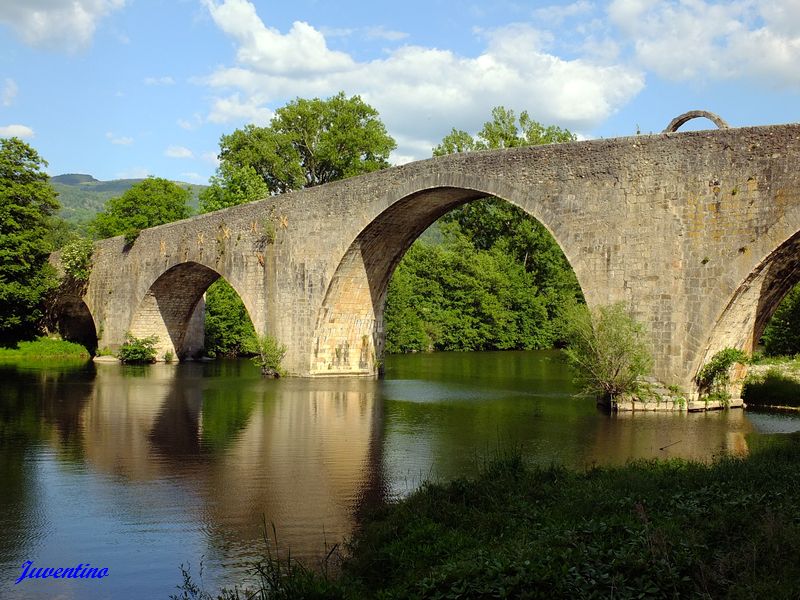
x=44, y=348
x=651, y=529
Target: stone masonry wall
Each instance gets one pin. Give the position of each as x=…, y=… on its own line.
x=680, y=226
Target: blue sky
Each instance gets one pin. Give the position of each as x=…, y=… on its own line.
x=128, y=88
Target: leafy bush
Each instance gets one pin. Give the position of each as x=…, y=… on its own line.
x=44, y=348
x=773, y=388
x=76, y=258
x=608, y=351
x=269, y=357
x=713, y=378
x=138, y=350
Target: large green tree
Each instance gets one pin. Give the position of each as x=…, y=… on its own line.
x=153, y=201
x=230, y=186
x=311, y=142
x=27, y=203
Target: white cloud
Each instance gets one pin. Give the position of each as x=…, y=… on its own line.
x=121, y=140
x=302, y=50
x=178, y=152
x=9, y=93
x=380, y=32
x=20, y=131
x=421, y=92
x=211, y=158
x=697, y=39
x=57, y=24
x=166, y=80
x=557, y=13
x=233, y=108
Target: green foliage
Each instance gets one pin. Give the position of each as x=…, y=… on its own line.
x=311, y=142
x=649, y=529
x=229, y=330
x=505, y=130
x=138, y=350
x=76, y=258
x=169, y=356
x=153, y=201
x=713, y=378
x=773, y=388
x=608, y=350
x=232, y=185
x=782, y=334
x=269, y=355
x=454, y=297
x=44, y=348
x=27, y=203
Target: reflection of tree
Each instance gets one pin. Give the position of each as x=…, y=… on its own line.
x=34, y=403
x=224, y=414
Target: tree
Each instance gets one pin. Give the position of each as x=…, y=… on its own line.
x=608, y=350
x=232, y=185
x=153, y=201
x=311, y=142
x=27, y=203
x=782, y=334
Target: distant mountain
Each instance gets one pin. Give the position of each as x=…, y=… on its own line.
x=82, y=196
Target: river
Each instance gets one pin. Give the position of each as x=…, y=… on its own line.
x=142, y=469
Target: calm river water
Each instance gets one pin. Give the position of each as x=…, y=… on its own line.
x=141, y=469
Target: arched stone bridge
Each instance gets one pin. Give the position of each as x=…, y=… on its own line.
x=698, y=232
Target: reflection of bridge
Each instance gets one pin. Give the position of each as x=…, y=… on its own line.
x=696, y=231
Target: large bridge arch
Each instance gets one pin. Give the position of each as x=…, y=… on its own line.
x=348, y=335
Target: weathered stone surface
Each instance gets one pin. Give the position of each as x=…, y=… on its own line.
x=696, y=231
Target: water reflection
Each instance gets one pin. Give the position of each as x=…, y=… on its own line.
x=143, y=469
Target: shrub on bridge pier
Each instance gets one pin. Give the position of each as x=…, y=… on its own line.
x=138, y=350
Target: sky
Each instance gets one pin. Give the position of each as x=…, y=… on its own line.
x=131, y=88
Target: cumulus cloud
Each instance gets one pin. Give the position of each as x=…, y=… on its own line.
x=20, y=131
x=705, y=40
x=382, y=33
x=178, y=152
x=420, y=92
x=9, y=93
x=119, y=140
x=57, y=24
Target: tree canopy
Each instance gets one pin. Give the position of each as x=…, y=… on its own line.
x=311, y=142
x=27, y=203
x=153, y=201
x=232, y=185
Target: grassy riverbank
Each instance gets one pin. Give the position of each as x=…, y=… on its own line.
x=44, y=348
x=647, y=530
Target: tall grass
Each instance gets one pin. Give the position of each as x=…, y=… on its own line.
x=44, y=348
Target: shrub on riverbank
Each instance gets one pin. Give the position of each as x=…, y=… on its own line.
x=651, y=529
x=772, y=388
x=44, y=348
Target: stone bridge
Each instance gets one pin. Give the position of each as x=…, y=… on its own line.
x=698, y=232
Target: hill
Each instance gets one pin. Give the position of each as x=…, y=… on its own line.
x=82, y=196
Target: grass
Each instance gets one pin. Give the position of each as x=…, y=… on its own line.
x=650, y=529
x=44, y=348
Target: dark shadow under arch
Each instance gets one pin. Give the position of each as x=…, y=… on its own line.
x=73, y=320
